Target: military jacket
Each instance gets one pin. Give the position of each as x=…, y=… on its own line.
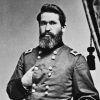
x=61, y=74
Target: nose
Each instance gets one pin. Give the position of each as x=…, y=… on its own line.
x=47, y=27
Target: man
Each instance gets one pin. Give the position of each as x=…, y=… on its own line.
x=52, y=70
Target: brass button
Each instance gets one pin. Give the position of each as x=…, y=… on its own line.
x=39, y=57
x=40, y=52
x=36, y=68
x=33, y=90
x=50, y=68
x=53, y=57
x=49, y=74
x=47, y=87
x=55, y=52
x=33, y=85
x=46, y=93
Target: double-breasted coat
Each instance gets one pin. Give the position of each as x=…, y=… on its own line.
x=59, y=74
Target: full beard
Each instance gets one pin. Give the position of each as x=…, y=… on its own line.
x=48, y=42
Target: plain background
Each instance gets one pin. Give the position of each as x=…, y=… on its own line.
x=19, y=32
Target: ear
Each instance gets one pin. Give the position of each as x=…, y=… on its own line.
x=63, y=29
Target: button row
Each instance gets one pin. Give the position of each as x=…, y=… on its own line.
x=33, y=86
x=46, y=92
x=53, y=57
x=50, y=69
x=49, y=74
x=55, y=52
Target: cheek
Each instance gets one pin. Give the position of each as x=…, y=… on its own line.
x=42, y=29
x=56, y=30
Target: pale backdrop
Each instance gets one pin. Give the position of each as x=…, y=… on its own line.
x=19, y=32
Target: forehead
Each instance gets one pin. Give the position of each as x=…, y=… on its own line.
x=48, y=16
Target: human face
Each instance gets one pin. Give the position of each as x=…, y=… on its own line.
x=50, y=30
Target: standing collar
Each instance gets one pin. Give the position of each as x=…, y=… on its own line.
x=50, y=50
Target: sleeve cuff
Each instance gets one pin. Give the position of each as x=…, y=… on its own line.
x=21, y=87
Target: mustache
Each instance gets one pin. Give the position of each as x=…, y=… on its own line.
x=47, y=33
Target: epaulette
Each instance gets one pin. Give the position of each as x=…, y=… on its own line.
x=74, y=52
x=28, y=51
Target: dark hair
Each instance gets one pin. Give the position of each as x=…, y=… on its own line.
x=55, y=9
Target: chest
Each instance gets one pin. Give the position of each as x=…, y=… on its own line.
x=55, y=66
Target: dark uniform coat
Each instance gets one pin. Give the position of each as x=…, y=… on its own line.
x=59, y=74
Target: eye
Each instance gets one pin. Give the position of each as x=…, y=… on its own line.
x=52, y=22
x=43, y=23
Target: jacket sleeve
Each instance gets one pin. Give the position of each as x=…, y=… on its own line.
x=15, y=89
x=83, y=86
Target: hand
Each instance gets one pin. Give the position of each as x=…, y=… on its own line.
x=27, y=78
x=39, y=73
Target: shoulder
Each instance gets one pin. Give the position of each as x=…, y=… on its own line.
x=77, y=55
x=74, y=52
x=71, y=51
x=31, y=51
x=28, y=51
x=79, y=59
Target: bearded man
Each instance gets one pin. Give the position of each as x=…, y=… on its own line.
x=52, y=70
